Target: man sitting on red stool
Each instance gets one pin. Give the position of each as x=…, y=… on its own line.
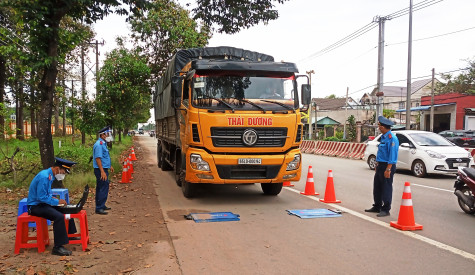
x=41, y=202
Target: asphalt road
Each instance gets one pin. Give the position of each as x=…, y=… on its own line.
x=269, y=241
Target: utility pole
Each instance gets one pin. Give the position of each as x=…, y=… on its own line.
x=380, y=92
x=310, y=109
x=83, y=89
x=72, y=104
x=432, y=102
x=346, y=113
x=97, y=60
x=409, y=60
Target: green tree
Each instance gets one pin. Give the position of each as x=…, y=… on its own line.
x=124, y=89
x=48, y=44
x=351, y=128
x=232, y=16
x=332, y=96
x=163, y=29
x=462, y=83
x=388, y=113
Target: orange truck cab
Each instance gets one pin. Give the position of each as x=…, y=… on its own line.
x=229, y=116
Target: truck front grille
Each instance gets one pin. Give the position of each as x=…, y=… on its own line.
x=232, y=137
x=248, y=171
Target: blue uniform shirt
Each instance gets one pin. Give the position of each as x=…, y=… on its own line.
x=40, y=189
x=99, y=150
x=388, y=148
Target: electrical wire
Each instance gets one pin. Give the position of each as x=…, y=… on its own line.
x=367, y=28
x=431, y=37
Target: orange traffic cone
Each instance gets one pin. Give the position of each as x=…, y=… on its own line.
x=406, y=220
x=287, y=184
x=125, y=175
x=310, y=185
x=131, y=164
x=133, y=154
x=330, y=190
x=129, y=170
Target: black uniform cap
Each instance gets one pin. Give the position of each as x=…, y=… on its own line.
x=385, y=122
x=66, y=164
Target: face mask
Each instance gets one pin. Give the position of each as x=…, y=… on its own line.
x=108, y=139
x=60, y=176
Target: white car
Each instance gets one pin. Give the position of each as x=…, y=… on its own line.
x=423, y=153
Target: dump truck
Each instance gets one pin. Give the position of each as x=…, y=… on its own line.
x=226, y=115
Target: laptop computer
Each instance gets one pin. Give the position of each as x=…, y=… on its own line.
x=74, y=209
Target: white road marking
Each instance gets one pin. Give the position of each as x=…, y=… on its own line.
x=435, y=188
x=386, y=225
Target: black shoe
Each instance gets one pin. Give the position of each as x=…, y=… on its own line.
x=61, y=251
x=101, y=212
x=373, y=209
x=383, y=213
x=74, y=238
x=107, y=208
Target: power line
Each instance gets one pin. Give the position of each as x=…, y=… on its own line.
x=367, y=28
x=431, y=37
x=412, y=78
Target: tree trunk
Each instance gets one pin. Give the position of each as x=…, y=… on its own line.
x=56, y=114
x=2, y=94
x=46, y=87
x=20, y=133
x=33, y=121
x=32, y=112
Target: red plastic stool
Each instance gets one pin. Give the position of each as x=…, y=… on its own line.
x=84, y=229
x=22, y=238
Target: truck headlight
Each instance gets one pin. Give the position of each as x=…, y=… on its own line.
x=294, y=164
x=435, y=155
x=198, y=163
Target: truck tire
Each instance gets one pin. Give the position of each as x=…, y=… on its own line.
x=271, y=189
x=188, y=189
x=162, y=162
x=159, y=156
x=178, y=169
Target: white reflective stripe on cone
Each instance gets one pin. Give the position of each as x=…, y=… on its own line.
x=406, y=202
x=330, y=174
x=407, y=189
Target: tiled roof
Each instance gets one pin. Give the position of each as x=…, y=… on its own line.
x=395, y=91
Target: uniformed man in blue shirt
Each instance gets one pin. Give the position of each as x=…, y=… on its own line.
x=385, y=169
x=102, y=164
x=41, y=201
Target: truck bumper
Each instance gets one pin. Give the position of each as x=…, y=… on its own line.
x=224, y=169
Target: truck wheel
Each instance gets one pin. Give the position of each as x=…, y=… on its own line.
x=272, y=189
x=164, y=164
x=159, y=156
x=178, y=173
x=188, y=189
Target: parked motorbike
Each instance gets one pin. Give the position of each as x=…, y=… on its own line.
x=465, y=189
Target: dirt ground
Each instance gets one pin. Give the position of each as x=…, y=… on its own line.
x=132, y=239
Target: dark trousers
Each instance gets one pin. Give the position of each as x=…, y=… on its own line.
x=383, y=187
x=102, y=189
x=59, y=226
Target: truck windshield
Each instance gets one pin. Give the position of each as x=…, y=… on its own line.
x=243, y=92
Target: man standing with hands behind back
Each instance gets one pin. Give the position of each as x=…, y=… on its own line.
x=102, y=164
x=383, y=178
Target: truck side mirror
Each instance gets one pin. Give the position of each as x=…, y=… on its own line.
x=176, y=88
x=306, y=94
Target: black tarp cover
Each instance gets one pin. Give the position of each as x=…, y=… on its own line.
x=162, y=96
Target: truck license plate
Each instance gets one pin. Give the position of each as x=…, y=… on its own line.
x=459, y=164
x=249, y=161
